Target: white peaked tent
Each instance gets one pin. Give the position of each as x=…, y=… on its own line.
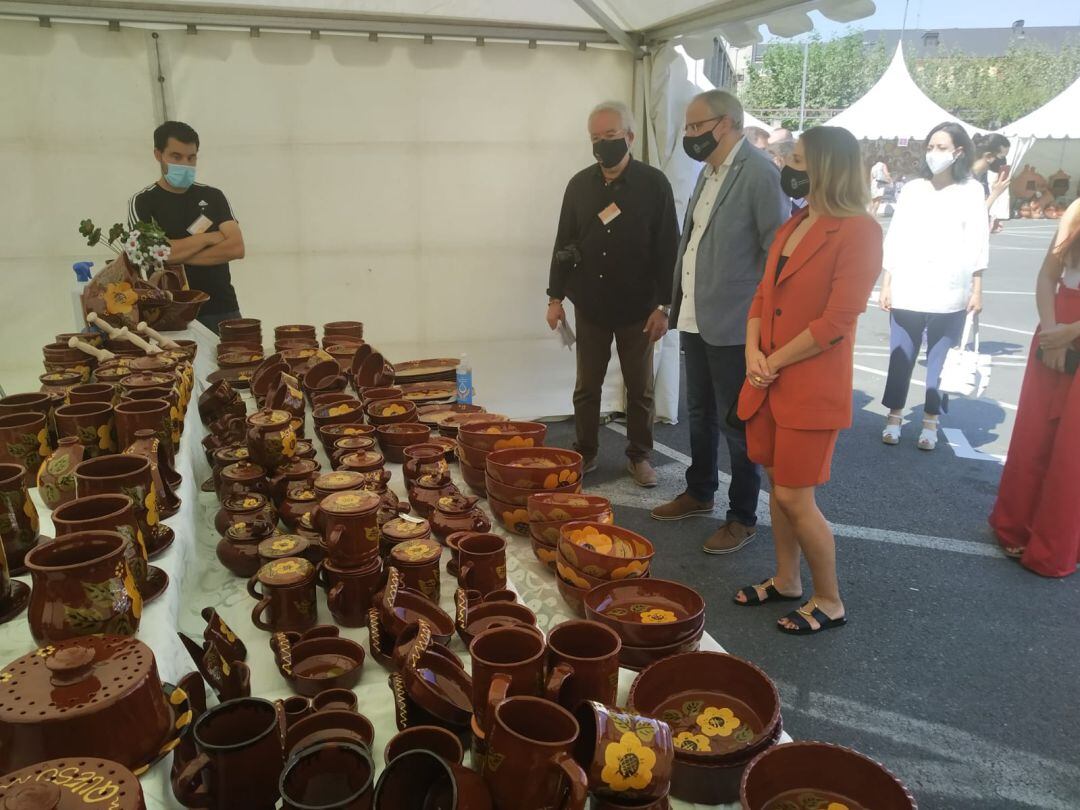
x=894, y=107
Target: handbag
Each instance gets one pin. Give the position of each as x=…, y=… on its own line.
x=966, y=372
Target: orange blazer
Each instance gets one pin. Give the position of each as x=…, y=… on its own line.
x=824, y=287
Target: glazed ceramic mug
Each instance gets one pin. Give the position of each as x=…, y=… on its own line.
x=583, y=663
x=482, y=563
x=18, y=516
x=350, y=591
x=424, y=779
x=131, y=476
x=529, y=763
x=287, y=601
x=328, y=776
x=239, y=759
x=435, y=739
x=627, y=757
x=506, y=661
x=24, y=439
x=112, y=513
x=92, y=423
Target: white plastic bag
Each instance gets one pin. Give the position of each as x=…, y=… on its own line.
x=966, y=372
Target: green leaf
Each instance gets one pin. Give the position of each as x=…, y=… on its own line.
x=621, y=723
x=100, y=594
x=645, y=732
x=692, y=708
x=671, y=717
x=50, y=494
x=81, y=620
x=58, y=465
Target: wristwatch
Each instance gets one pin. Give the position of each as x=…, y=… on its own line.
x=665, y=309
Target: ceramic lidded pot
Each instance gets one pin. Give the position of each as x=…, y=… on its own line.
x=244, y=507
x=57, y=384
x=242, y=478
x=271, y=438
x=98, y=696
x=287, y=601
x=24, y=439
x=426, y=491
x=277, y=546
x=349, y=521
x=340, y=481
x=18, y=516
x=350, y=591
x=56, y=476
x=70, y=783
x=92, y=423
x=458, y=513
x=238, y=550
x=400, y=529
x=297, y=471
x=82, y=585
x=418, y=563
x=299, y=501
x=347, y=445
x=222, y=457
x=364, y=461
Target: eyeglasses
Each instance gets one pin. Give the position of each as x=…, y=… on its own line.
x=696, y=124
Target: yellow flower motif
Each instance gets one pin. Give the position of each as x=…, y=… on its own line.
x=413, y=551
x=513, y=441
x=133, y=592
x=340, y=410
x=250, y=503
x=45, y=651
x=836, y=806
x=545, y=555
x=348, y=499
x=5, y=677
x=689, y=741
x=120, y=298
x=31, y=512
x=284, y=544
x=718, y=722
x=518, y=517
x=628, y=764
x=150, y=503
x=636, y=568
x=43, y=443
x=393, y=410
x=658, y=616
x=105, y=440
x=288, y=444
x=285, y=567
x=571, y=576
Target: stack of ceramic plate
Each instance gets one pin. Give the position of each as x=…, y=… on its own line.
x=590, y=554
x=417, y=371
x=515, y=473
x=548, y=511
x=478, y=438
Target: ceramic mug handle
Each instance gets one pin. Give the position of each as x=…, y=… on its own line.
x=333, y=598
x=576, y=779
x=251, y=587
x=333, y=538
x=498, y=690
x=256, y=615
x=463, y=573
x=189, y=786
x=557, y=678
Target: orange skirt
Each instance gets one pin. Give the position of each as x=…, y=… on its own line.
x=797, y=458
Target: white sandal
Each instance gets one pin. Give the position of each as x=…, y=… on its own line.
x=929, y=435
x=891, y=433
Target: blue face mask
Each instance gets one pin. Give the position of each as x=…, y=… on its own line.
x=179, y=176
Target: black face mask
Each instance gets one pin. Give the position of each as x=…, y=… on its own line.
x=996, y=165
x=699, y=147
x=609, y=153
x=794, y=182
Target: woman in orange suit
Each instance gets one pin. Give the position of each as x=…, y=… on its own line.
x=800, y=337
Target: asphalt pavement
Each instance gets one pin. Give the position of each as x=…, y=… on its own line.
x=957, y=668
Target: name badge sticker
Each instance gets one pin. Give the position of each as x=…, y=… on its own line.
x=608, y=215
x=200, y=225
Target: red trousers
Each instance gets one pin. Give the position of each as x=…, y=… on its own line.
x=1038, y=503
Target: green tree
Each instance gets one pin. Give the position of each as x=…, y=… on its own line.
x=839, y=72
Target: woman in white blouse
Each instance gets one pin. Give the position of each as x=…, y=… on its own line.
x=936, y=249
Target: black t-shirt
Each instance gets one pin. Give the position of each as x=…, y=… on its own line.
x=175, y=213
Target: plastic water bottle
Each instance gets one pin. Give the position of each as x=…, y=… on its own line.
x=82, y=278
x=464, y=381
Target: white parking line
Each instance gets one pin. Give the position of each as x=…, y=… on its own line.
x=880, y=373
x=963, y=449
x=1005, y=328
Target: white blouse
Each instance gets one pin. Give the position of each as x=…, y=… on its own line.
x=936, y=242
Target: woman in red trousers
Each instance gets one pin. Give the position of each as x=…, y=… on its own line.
x=1037, y=514
x=800, y=336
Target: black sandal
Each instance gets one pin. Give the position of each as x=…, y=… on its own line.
x=771, y=594
x=803, y=627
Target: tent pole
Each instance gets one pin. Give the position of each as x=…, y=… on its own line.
x=609, y=25
x=802, y=95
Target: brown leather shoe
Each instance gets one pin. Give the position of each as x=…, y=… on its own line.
x=642, y=472
x=729, y=538
x=682, y=507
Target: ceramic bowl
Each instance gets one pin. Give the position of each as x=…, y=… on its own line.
x=393, y=439
x=710, y=783
x=432, y=415
x=390, y=411
x=604, y=551
x=806, y=772
x=369, y=395
x=472, y=456
x=500, y=435
x=646, y=612
x=436, y=739
x=558, y=507
x=328, y=434
x=520, y=497
x=473, y=621
x=181, y=310
x=727, y=701
x=536, y=468
x=326, y=663
x=572, y=573
x=329, y=725
x=544, y=553
x=638, y=658
x=510, y=516
x=423, y=393
x=475, y=478
x=339, y=413
x=449, y=425
x=549, y=532
x=573, y=596
x=321, y=375
x=440, y=687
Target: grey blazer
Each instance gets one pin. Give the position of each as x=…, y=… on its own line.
x=731, y=255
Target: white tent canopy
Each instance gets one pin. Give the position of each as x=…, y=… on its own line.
x=894, y=107
x=1057, y=118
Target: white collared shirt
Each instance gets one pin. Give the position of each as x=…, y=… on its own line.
x=714, y=180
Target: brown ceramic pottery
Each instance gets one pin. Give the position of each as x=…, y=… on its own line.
x=14, y=595
x=286, y=397
x=328, y=434
x=426, y=490
x=816, y=774
x=535, y=468
x=363, y=461
x=246, y=329
x=340, y=413
x=604, y=551
x=529, y=763
x=278, y=546
x=56, y=476
x=147, y=445
x=498, y=435
x=131, y=476
x=270, y=438
x=92, y=423
x=518, y=496
x=347, y=445
x=646, y=612
x=393, y=439
x=475, y=477
x=400, y=529
x=242, y=478
x=543, y=552
x=328, y=776
x=390, y=411
x=295, y=472
x=24, y=439
x=57, y=384
x=83, y=584
x=426, y=393
x=98, y=696
x=548, y=532
x=18, y=516
x=151, y=414
x=424, y=779
x=613, y=804
x=339, y=481
x=244, y=508
x=369, y=395
x=451, y=424
x=418, y=563
x=626, y=756
x=637, y=658
x=582, y=663
x=371, y=371
x=351, y=591
x=33, y=402
x=439, y=685
x=346, y=329
x=436, y=739
x=433, y=414
x=473, y=618
x=550, y=507
x=335, y=699
x=343, y=354
x=287, y=601
x=330, y=725
x=299, y=501
x=222, y=457
x=72, y=784
x=317, y=664
x=399, y=607
x=238, y=550
x=573, y=595
x=240, y=757
x=350, y=527
x=482, y=563
x=294, y=331
x=91, y=392
x=458, y=513
x=506, y=661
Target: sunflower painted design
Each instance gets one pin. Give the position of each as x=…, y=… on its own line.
x=284, y=544
x=286, y=567
x=689, y=741
x=288, y=444
x=836, y=806
x=152, y=516
x=628, y=765
x=545, y=555
x=104, y=437
x=393, y=410
x=340, y=410
x=593, y=540
x=635, y=568
x=715, y=722
x=43, y=443
x=31, y=512
x=513, y=441
x=413, y=552
x=657, y=616
x=571, y=576
x=348, y=499
x=120, y=298
x=46, y=651
x=516, y=518
x=132, y=590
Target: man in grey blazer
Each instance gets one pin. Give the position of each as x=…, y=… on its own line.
x=730, y=222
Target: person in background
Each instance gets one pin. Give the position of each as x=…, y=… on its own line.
x=935, y=252
x=731, y=219
x=781, y=145
x=800, y=339
x=197, y=218
x=614, y=251
x=879, y=183
x=1036, y=518
x=757, y=137
x=992, y=150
